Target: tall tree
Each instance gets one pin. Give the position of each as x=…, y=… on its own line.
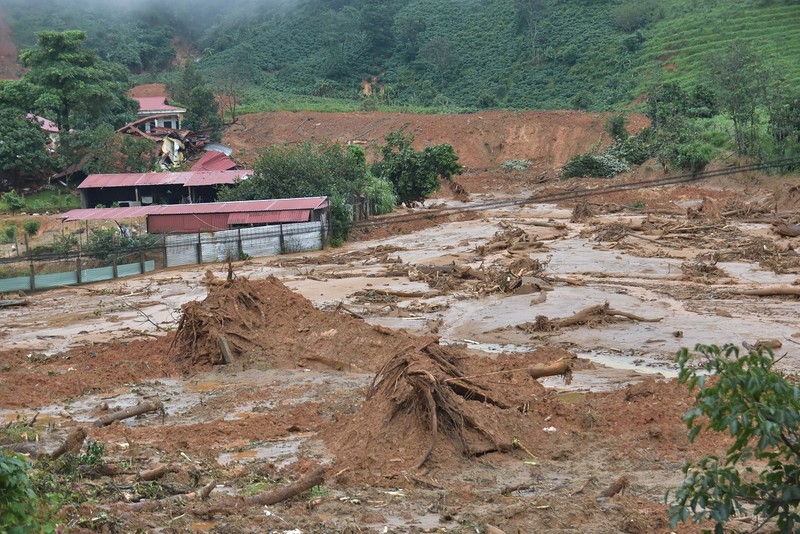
x=739, y=77
x=77, y=87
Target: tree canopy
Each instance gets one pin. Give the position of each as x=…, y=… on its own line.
x=415, y=174
x=74, y=86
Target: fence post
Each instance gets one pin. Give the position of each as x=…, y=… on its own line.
x=114, y=267
x=33, y=275
x=141, y=262
x=199, y=250
x=78, y=273
x=239, y=243
x=283, y=243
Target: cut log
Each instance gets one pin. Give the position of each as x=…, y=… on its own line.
x=72, y=444
x=560, y=367
x=145, y=407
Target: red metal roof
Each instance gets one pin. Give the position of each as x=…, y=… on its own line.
x=188, y=179
x=214, y=161
x=269, y=217
x=155, y=104
x=46, y=124
x=292, y=207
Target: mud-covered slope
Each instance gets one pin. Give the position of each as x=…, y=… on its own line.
x=482, y=140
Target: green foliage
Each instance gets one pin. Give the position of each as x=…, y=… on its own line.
x=604, y=165
x=632, y=16
x=333, y=170
x=31, y=227
x=19, y=506
x=616, y=126
x=61, y=246
x=415, y=175
x=108, y=243
x=9, y=232
x=76, y=87
x=22, y=147
x=741, y=395
x=13, y=201
x=634, y=149
x=515, y=165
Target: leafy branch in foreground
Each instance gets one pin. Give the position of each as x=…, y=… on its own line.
x=744, y=396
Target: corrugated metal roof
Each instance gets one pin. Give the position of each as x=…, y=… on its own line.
x=288, y=205
x=214, y=161
x=190, y=178
x=153, y=104
x=269, y=217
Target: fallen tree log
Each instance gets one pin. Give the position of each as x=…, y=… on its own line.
x=145, y=407
x=267, y=498
x=619, y=486
x=767, y=291
x=202, y=495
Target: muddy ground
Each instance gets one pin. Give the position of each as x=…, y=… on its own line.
x=400, y=363
x=337, y=358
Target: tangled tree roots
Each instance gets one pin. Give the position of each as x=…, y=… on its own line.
x=430, y=386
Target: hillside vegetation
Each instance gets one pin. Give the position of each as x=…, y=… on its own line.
x=451, y=56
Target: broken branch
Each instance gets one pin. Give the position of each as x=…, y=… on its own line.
x=145, y=407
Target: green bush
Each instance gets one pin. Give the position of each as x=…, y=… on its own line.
x=9, y=234
x=589, y=165
x=14, y=203
x=19, y=506
x=741, y=395
x=31, y=227
x=516, y=165
x=107, y=244
x=692, y=156
x=633, y=149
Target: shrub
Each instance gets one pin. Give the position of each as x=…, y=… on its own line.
x=516, y=165
x=632, y=149
x=615, y=126
x=19, y=507
x=107, y=244
x=743, y=396
x=589, y=165
x=14, y=203
x=31, y=227
x=692, y=156
x=9, y=232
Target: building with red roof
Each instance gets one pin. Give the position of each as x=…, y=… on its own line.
x=164, y=115
x=142, y=189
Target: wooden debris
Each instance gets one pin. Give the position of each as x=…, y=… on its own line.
x=145, y=407
x=786, y=230
x=560, y=367
x=267, y=498
x=72, y=444
x=202, y=495
x=590, y=316
x=767, y=291
x=7, y=303
x=157, y=472
x=619, y=486
x=225, y=349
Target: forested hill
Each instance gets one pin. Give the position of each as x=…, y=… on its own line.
x=448, y=54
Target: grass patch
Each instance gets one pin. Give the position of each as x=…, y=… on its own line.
x=48, y=200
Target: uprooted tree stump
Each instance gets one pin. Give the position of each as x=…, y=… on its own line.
x=431, y=386
x=560, y=367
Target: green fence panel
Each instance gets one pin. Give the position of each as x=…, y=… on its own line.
x=43, y=281
x=19, y=283
x=97, y=274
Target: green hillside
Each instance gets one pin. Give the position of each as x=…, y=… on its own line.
x=449, y=55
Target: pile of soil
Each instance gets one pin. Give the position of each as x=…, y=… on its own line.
x=267, y=325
